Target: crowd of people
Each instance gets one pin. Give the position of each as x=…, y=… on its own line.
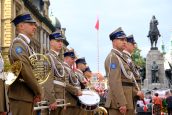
x=157, y=103
x=66, y=82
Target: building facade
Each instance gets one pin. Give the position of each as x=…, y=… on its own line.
x=39, y=9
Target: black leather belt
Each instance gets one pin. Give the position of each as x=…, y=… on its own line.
x=127, y=84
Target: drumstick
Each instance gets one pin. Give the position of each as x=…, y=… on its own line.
x=87, y=94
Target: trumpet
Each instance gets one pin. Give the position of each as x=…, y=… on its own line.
x=44, y=105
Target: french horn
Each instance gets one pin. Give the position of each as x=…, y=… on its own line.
x=13, y=73
x=41, y=67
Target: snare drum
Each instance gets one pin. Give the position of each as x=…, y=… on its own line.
x=89, y=100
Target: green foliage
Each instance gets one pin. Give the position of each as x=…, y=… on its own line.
x=138, y=59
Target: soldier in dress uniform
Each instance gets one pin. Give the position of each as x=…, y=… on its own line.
x=84, y=82
x=81, y=65
x=25, y=91
x=119, y=99
x=88, y=73
x=74, y=90
x=54, y=92
x=2, y=87
x=127, y=52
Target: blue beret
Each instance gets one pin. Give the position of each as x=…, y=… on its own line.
x=56, y=36
x=81, y=60
x=70, y=54
x=87, y=69
x=23, y=18
x=131, y=39
x=117, y=34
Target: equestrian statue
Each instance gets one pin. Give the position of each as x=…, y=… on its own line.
x=153, y=32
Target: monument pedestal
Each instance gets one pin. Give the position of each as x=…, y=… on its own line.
x=157, y=56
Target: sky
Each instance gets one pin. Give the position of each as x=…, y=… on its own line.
x=79, y=18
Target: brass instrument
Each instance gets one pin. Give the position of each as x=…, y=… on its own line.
x=101, y=111
x=13, y=73
x=44, y=105
x=41, y=67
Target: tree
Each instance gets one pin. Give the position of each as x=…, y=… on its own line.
x=138, y=59
x=140, y=62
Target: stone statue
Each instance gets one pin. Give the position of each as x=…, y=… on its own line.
x=154, y=70
x=153, y=32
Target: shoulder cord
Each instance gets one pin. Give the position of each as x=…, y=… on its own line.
x=54, y=67
x=27, y=47
x=132, y=66
x=123, y=69
x=69, y=71
x=125, y=73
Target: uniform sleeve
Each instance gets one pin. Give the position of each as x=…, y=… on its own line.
x=115, y=83
x=71, y=88
x=19, y=52
x=135, y=90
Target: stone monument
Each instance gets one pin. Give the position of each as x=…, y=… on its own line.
x=155, y=73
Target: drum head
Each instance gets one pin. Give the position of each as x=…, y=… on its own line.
x=89, y=97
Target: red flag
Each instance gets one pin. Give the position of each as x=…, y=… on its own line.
x=97, y=24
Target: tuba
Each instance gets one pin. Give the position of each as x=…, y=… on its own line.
x=41, y=67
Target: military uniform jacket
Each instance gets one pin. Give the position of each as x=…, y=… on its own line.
x=83, y=81
x=72, y=86
x=120, y=87
x=52, y=91
x=26, y=86
x=127, y=56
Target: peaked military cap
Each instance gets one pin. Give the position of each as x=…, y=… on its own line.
x=81, y=60
x=70, y=54
x=130, y=39
x=26, y=17
x=56, y=36
x=117, y=34
x=87, y=69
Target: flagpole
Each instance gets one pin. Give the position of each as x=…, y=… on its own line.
x=97, y=28
x=98, y=51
